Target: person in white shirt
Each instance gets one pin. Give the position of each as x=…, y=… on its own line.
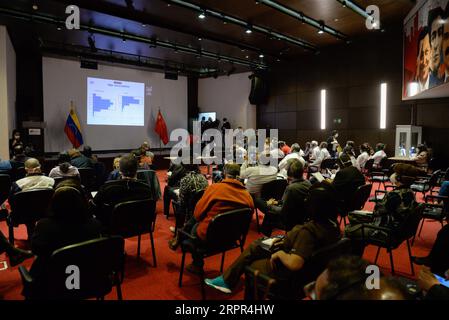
x=258, y=175
x=295, y=154
x=64, y=169
x=378, y=155
x=363, y=157
x=323, y=155
x=315, y=151
x=34, y=178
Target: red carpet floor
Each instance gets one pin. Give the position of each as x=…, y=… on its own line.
x=143, y=281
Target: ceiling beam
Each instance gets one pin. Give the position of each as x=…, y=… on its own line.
x=47, y=19
x=147, y=18
x=320, y=25
x=354, y=7
x=242, y=23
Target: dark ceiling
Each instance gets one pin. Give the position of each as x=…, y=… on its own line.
x=170, y=34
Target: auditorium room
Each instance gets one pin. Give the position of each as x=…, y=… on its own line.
x=242, y=151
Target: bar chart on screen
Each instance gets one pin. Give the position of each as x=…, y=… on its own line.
x=114, y=102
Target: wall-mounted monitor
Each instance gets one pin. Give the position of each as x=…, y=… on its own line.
x=426, y=51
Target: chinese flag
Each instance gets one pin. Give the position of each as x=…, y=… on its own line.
x=161, y=128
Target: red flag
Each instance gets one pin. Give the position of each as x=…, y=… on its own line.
x=161, y=128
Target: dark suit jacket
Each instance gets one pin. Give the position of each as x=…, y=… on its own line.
x=347, y=181
x=293, y=210
x=115, y=192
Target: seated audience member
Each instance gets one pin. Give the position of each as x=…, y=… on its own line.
x=296, y=153
x=363, y=157
x=291, y=210
x=438, y=257
x=19, y=157
x=422, y=157
x=323, y=155
x=64, y=169
x=345, y=279
x=433, y=289
x=258, y=175
x=349, y=150
x=16, y=256
x=294, y=249
x=314, y=151
x=79, y=160
x=87, y=152
x=34, y=179
x=67, y=224
x=347, y=179
x=307, y=151
x=378, y=155
x=146, y=160
x=390, y=212
x=192, y=183
x=227, y=195
x=284, y=147
x=276, y=152
x=175, y=173
x=115, y=173
x=115, y=192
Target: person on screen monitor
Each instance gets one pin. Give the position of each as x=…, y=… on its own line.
x=422, y=76
x=436, y=28
x=445, y=49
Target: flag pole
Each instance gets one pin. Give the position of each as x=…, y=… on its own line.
x=160, y=140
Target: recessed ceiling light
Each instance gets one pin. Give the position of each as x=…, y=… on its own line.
x=261, y=55
x=202, y=15
x=35, y=7
x=321, y=32
x=249, y=31
x=247, y=57
x=336, y=19
x=200, y=39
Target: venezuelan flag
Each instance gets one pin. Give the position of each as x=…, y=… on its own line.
x=73, y=129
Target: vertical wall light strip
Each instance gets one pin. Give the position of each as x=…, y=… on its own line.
x=323, y=109
x=383, y=106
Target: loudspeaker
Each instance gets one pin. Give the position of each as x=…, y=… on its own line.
x=171, y=75
x=259, y=89
x=85, y=64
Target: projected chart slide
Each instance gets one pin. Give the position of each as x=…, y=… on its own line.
x=115, y=103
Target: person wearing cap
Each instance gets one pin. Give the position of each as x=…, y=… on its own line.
x=290, y=211
x=347, y=179
x=390, y=212
x=294, y=250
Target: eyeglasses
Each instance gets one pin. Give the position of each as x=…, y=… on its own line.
x=310, y=290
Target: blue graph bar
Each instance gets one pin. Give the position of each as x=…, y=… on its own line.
x=126, y=101
x=100, y=103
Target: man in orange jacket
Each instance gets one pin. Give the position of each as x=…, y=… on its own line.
x=229, y=194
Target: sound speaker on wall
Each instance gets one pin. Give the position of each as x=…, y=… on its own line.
x=259, y=89
x=171, y=75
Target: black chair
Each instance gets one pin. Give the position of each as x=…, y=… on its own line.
x=271, y=190
x=437, y=212
x=328, y=164
x=150, y=178
x=381, y=174
x=98, y=262
x=391, y=239
x=28, y=207
x=88, y=178
x=134, y=218
x=258, y=285
x=17, y=173
x=5, y=187
x=368, y=167
x=225, y=232
x=357, y=201
x=427, y=184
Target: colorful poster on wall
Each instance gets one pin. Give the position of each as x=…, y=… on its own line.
x=426, y=47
